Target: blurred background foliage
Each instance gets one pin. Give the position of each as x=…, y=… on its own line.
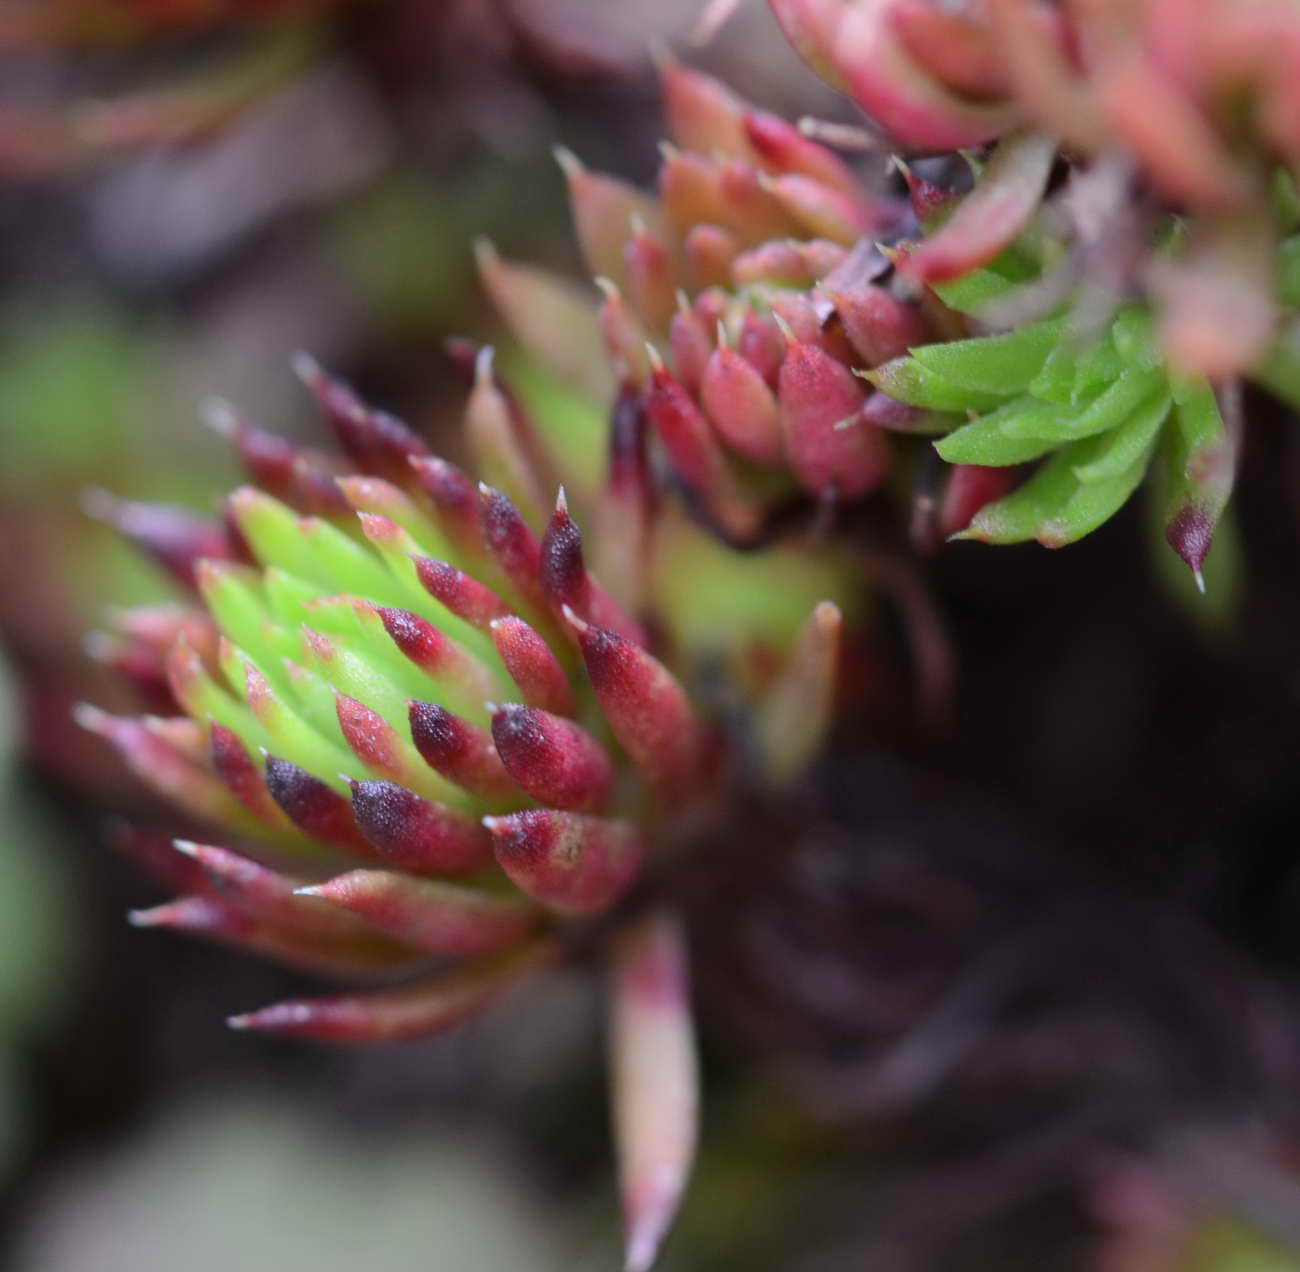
x=186, y=199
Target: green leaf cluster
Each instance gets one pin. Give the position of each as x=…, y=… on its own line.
x=1095, y=410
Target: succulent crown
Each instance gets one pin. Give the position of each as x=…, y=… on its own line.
x=411, y=675
x=437, y=743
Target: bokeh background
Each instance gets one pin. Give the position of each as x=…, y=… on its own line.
x=1025, y=995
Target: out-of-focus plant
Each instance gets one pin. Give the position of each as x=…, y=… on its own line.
x=221, y=59
x=1153, y=1227
x=78, y=21
x=33, y=913
x=41, y=139
x=389, y=1203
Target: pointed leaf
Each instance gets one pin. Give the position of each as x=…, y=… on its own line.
x=654, y=1080
x=984, y=441
x=1202, y=460
x=797, y=713
x=438, y=918
x=1002, y=365
x=412, y=1011
x=571, y=863
x=907, y=380
x=1109, y=410
x=1126, y=445
x=992, y=216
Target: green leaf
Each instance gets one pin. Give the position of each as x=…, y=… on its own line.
x=315, y=700
x=234, y=597
x=288, y=596
x=983, y=441
x=347, y=566
x=349, y=670
x=1091, y=506
x=395, y=553
x=573, y=431
x=1122, y=447
x=205, y=699
x=1054, y=506
x=271, y=529
x=1000, y=365
x=1200, y=424
x=1108, y=411
x=288, y=734
x=1016, y=517
x=1134, y=334
x=1070, y=376
x=336, y=616
x=1216, y=610
x=909, y=381
x=723, y=603
x=967, y=293
x=1201, y=464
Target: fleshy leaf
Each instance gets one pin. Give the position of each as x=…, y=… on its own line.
x=555, y=760
x=1202, y=465
x=990, y=218
x=914, y=108
x=1054, y=506
x=799, y=707
x=550, y=318
x=1103, y=413
x=907, y=380
x=445, y=919
x=654, y=1080
x=1002, y=365
x=412, y=1011
x=571, y=863
x=1124, y=446
x=1070, y=375
x=984, y=441
x=976, y=288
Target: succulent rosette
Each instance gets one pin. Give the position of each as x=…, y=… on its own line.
x=745, y=298
x=439, y=746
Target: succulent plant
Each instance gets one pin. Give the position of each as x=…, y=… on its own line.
x=711, y=301
x=211, y=64
x=798, y=290
x=477, y=722
x=1088, y=370
x=745, y=298
x=435, y=736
